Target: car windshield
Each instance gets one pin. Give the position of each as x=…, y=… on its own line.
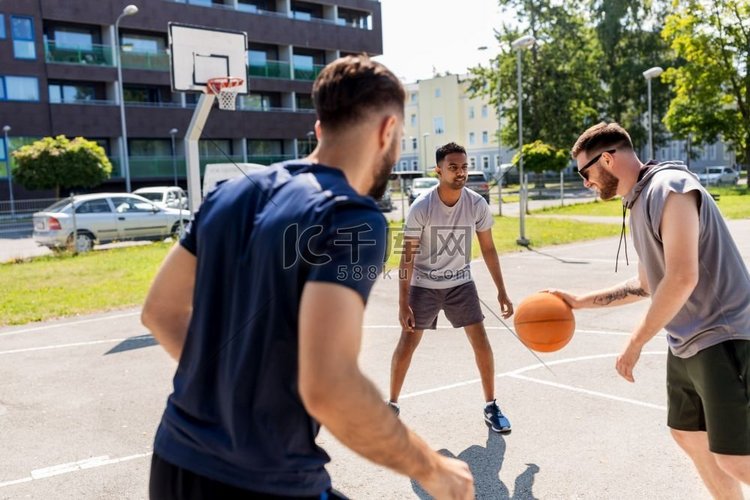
x=425, y=183
x=715, y=170
x=476, y=178
x=151, y=196
x=58, y=206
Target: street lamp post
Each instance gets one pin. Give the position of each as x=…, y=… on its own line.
x=424, y=146
x=499, y=171
x=172, y=133
x=130, y=10
x=649, y=74
x=518, y=45
x=6, y=129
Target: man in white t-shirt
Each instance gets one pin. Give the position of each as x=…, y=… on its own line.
x=435, y=274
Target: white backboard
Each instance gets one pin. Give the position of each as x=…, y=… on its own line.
x=198, y=53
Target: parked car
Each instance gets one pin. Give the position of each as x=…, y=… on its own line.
x=421, y=185
x=718, y=175
x=476, y=181
x=164, y=196
x=103, y=218
x=385, y=202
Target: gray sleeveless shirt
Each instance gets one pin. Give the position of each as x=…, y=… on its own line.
x=719, y=307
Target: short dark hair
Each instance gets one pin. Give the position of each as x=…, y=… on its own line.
x=447, y=149
x=602, y=136
x=351, y=87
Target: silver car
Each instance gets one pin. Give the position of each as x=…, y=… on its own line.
x=164, y=196
x=103, y=218
x=718, y=175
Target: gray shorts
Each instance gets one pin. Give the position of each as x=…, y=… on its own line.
x=460, y=303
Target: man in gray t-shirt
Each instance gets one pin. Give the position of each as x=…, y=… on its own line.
x=700, y=294
x=435, y=274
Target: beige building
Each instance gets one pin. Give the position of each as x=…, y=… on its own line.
x=438, y=111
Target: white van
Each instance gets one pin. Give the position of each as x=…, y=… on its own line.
x=218, y=172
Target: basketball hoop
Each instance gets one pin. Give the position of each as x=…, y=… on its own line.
x=226, y=89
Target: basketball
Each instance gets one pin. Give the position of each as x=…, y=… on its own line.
x=544, y=322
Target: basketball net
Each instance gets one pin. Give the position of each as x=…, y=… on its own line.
x=226, y=90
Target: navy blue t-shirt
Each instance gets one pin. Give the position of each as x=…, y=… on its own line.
x=236, y=415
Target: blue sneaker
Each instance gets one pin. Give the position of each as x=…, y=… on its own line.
x=495, y=418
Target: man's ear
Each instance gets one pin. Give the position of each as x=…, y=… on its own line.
x=318, y=130
x=438, y=171
x=387, y=131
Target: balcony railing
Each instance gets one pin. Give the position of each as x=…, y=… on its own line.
x=145, y=60
x=272, y=69
x=162, y=166
x=308, y=73
x=94, y=54
x=259, y=12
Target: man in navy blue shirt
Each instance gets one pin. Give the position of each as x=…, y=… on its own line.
x=262, y=304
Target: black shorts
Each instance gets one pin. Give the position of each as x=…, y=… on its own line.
x=460, y=303
x=710, y=392
x=170, y=482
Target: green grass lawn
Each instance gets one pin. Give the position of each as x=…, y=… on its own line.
x=734, y=203
x=43, y=288
x=67, y=285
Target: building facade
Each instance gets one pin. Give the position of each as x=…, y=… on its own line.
x=439, y=110
x=58, y=76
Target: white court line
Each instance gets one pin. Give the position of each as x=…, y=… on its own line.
x=101, y=461
x=590, y=393
x=441, y=327
x=88, y=463
x=70, y=323
x=61, y=346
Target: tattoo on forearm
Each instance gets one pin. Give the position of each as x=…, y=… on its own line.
x=620, y=294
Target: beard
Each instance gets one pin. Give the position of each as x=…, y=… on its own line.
x=609, y=184
x=383, y=173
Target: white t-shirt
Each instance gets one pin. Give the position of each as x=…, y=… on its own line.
x=445, y=237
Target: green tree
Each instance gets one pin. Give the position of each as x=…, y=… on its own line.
x=560, y=87
x=57, y=162
x=712, y=87
x=539, y=157
x=629, y=36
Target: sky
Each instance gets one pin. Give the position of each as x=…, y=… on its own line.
x=419, y=35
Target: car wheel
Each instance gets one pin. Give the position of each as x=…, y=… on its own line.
x=176, y=232
x=84, y=242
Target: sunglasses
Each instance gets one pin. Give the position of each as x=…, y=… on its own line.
x=582, y=172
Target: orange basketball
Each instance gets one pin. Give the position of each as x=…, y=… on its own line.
x=544, y=322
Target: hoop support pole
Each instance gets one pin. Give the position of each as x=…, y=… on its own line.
x=192, y=153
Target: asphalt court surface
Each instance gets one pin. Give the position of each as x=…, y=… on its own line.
x=80, y=399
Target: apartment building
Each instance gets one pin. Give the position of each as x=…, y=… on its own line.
x=439, y=110
x=58, y=76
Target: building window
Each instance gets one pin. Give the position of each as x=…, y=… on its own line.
x=19, y=88
x=414, y=143
x=2, y=26
x=485, y=162
x=438, y=125
x=403, y=144
x=304, y=101
x=70, y=38
x=403, y=164
x=354, y=19
x=485, y=111
x=22, y=29
x=413, y=120
x=61, y=92
x=472, y=139
x=437, y=92
x=413, y=97
x=485, y=137
x=712, y=152
x=471, y=112
x=473, y=163
x=142, y=44
x=149, y=147
x=497, y=161
x=414, y=165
